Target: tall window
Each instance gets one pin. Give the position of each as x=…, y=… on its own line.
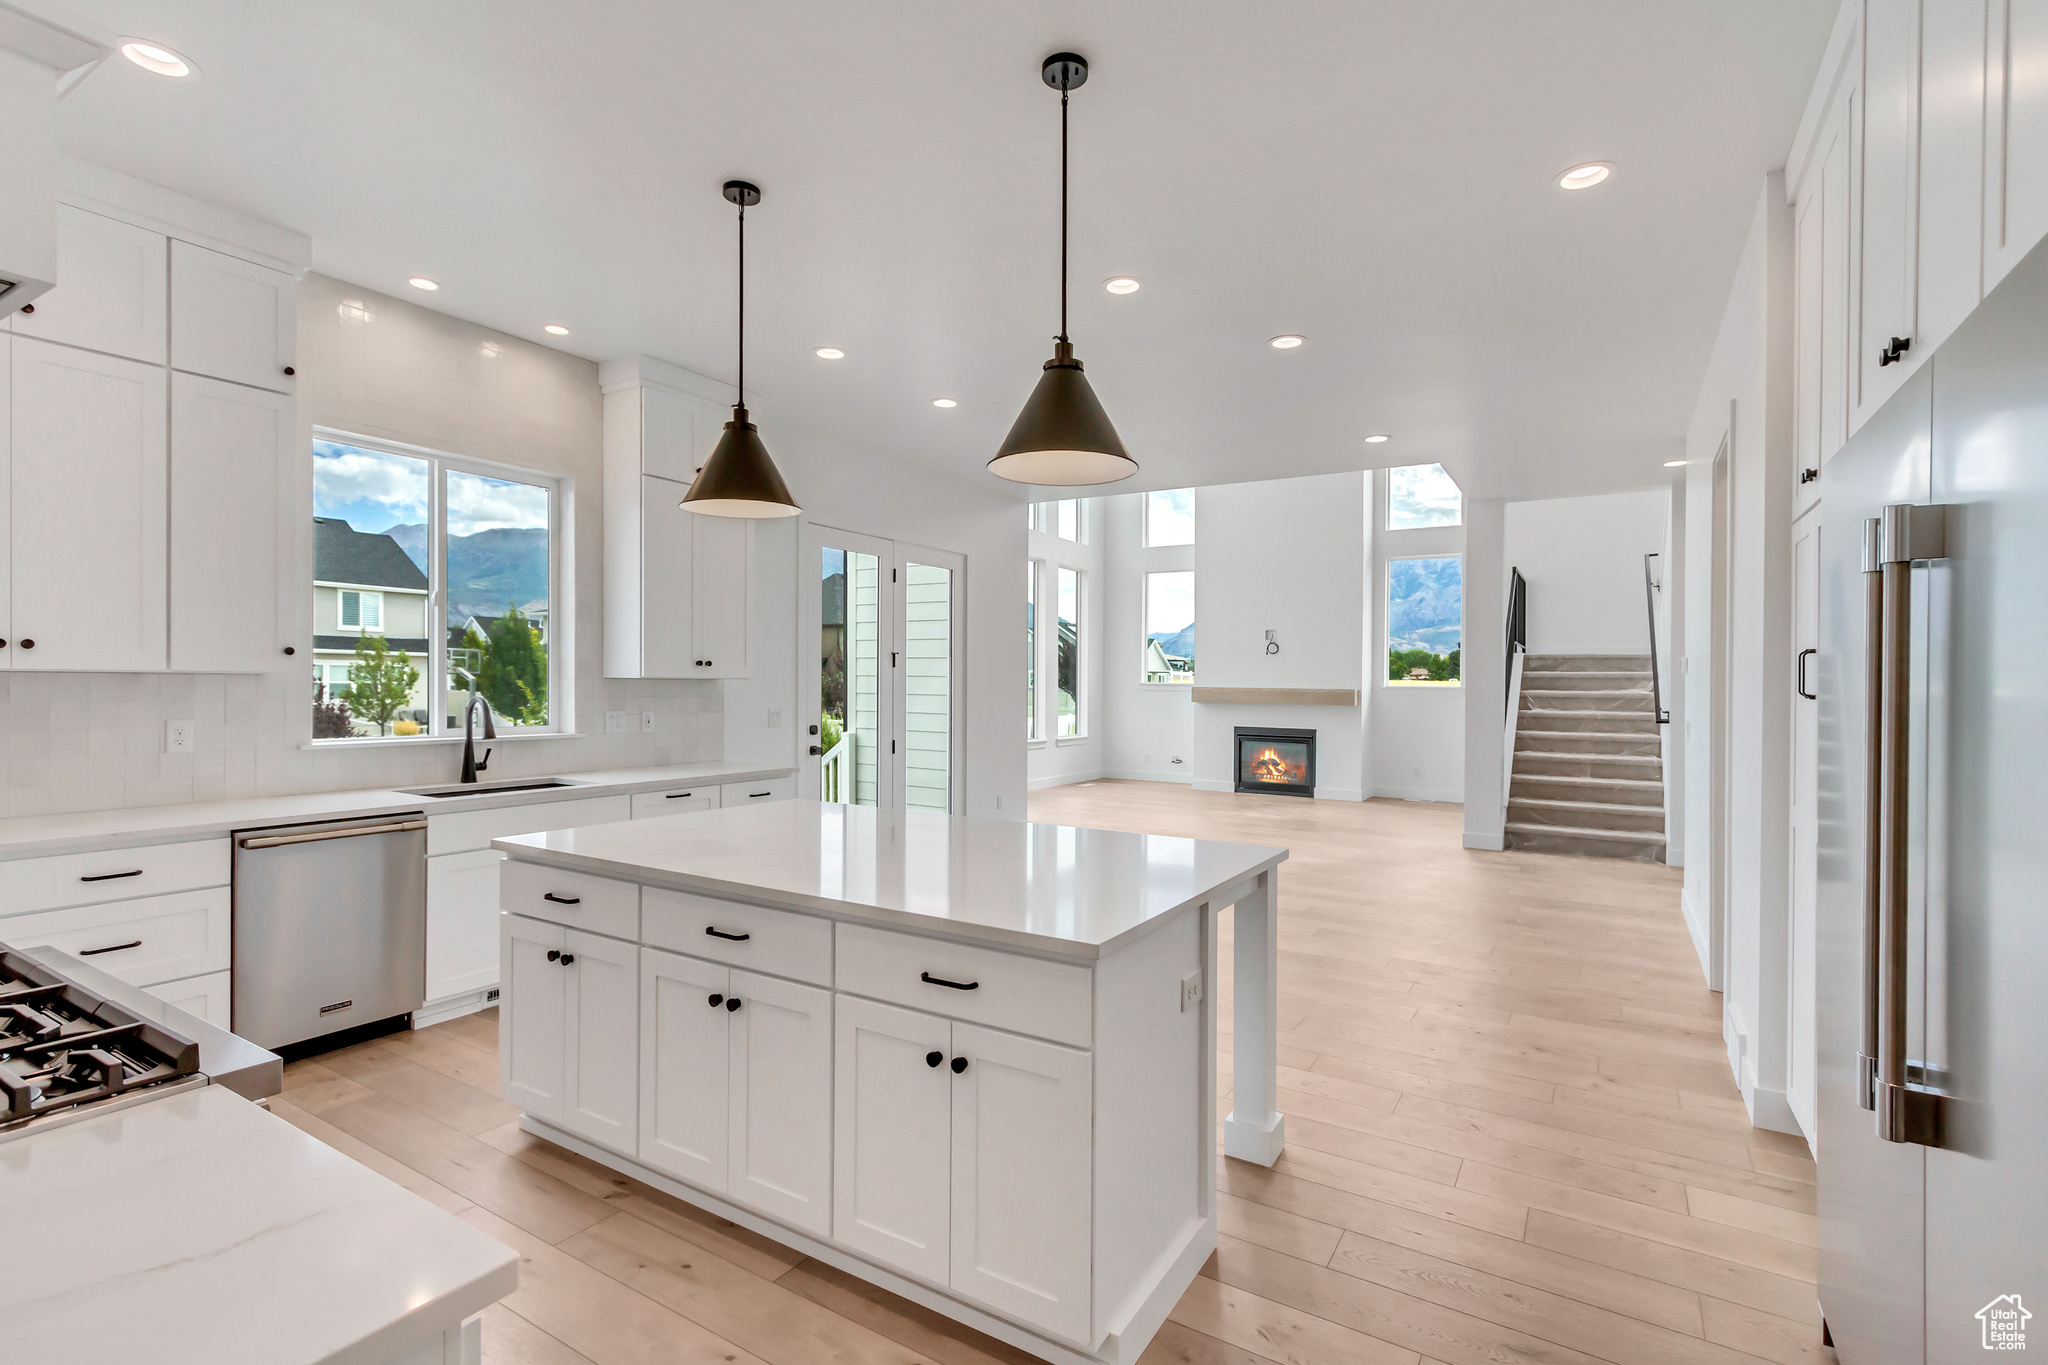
x=1067, y=519
x=1425, y=620
x=1422, y=495
x=1070, y=652
x=433, y=582
x=1170, y=517
x=1170, y=627
x=1032, y=569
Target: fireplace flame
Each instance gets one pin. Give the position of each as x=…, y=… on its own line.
x=1270, y=767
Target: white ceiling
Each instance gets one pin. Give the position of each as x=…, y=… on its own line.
x=1374, y=174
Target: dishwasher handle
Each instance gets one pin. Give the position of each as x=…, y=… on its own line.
x=321, y=835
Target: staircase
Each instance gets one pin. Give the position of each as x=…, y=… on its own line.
x=1588, y=775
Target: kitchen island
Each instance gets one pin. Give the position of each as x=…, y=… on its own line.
x=971, y=1061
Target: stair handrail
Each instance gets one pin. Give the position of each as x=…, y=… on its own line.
x=1518, y=623
x=1651, y=587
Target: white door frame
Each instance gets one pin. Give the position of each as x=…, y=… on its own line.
x=956, y=564
x=810, y=686
x=1721, y=676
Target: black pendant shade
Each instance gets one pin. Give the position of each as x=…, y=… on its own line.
x=1063, y=438
x=740, y=480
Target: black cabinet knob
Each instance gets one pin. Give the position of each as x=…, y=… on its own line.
x=28, y=308
x=3, y=644
x=28, y=644
x=934, y=1058
x=290, y=370
x=732, y=1002
x=716, y=999
x=959, y=1065
x=554, y=954
x=289, y=650
x=567, y=958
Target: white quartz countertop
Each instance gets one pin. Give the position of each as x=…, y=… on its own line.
x=1056, y=888
x=200, y=1230
x=33, y=835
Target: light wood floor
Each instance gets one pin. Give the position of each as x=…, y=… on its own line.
x=1512, y=1137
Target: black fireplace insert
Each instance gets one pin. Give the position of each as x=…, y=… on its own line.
x=1277, y=761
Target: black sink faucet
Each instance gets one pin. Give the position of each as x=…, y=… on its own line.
x=471, y=764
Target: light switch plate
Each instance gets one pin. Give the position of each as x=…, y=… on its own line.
x=775, y=720
x=646, y=722
x=177, y=736
x=615, y=722
x=1190, y=991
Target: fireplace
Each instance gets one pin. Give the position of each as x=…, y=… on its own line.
x=1270, y=760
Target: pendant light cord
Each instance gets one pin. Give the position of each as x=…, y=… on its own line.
x=742, y=395
x=1063, y=215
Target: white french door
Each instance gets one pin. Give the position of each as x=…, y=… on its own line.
x=882, y=699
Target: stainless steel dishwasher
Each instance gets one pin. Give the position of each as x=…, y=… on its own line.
x=330, y=927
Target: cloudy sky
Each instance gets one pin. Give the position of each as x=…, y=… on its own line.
x=375, y=491
x=1422, y=495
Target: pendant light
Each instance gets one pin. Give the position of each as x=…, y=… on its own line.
x=1063, y=438
x=739, y=480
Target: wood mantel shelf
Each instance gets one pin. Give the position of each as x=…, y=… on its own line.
x=1277, y=696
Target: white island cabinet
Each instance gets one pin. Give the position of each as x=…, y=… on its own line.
x=970, y=1061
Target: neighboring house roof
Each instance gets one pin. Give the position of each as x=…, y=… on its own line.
x=342, y=554
x=347, y=643
x=536, y=615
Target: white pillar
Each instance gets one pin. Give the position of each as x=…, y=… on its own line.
x=1483, y=667
x=1255, y=1130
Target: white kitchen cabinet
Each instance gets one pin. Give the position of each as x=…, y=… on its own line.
x=781, y=788
x=209, y=997
x=684, y=1033
x=648, y=804
x=230, y=491
x=721, y=589
x=1950, y=244
x=2016, y=127
x=6, y=499
x=462, y=923
x=232, y=319
x=532, y=1015
x=1022, y=1149
x=90, y=510
x=1821, y=236
x=601, y=1068
x=780, y=1100
x=892, y=1153
x=110, y=293
x=1887, y=252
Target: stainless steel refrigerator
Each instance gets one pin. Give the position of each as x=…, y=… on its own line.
x=1932, y=956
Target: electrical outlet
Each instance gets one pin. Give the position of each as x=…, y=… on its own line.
x=615, y=722
x=177, y=736
x=775, y=720
x=1190, y=991
x=646, y=722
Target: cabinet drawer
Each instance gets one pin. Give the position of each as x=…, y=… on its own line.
x=646, y=804
x=205, y=996
x=754, y=793
x=461, y=831
x=598, y=904
x=116, y=874
x=1022, y=994
x=774, y=941
x=157, y=938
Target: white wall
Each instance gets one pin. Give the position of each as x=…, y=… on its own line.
x=1744, y=407
x=1583, y=559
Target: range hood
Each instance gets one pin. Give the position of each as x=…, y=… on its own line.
x=44, y=52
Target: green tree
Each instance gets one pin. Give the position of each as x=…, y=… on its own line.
x=514, y=676
x=380, y=683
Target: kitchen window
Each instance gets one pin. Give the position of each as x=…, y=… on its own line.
x=435, y=580
x=1068, y=653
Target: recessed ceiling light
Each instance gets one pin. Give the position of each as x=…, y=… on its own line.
x=556, y=329
x=944, y=403
x=1286, y=343
x=1674, y=464
x=1122, y=284
x=157, y=58
x=1585, y=177
x=422, y=282
x=1377, y=440
x=830, y=353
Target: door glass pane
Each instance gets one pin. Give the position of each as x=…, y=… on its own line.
x=927, y=687
x=1070, y=652
x=849, y=678
x=369, y=531
x=498, y=600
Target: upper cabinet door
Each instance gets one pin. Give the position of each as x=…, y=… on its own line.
x=721, y=589
x=232, y=319
x=666, y=570
x=2016, y=126
x=7, y=652
x=1951, y=233
x=229, y=445
x=891, y=1143
x=110, y=288
x=677, y=432
x=90, y=509
x=781, y=1100
x=683, y=1051
x=1023, y=1136
x=1887, y=257
x=601, y=1078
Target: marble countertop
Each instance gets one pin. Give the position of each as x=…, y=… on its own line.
x=35, y=835
x=1054, y=888
x=200, y=1230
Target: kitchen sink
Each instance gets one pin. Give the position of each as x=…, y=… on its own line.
x=533, y=784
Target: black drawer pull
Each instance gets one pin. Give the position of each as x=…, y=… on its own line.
x=562, y=900
x=110, y=948
x=959, y=1065
x=934, y=1058
x=716, y=1000
x=756, y=795
x=554, y=954
x=567, y=958
x=732, y=1002
x=677, y=796
x=111, y=876
x=931, y=980
x=730, y=938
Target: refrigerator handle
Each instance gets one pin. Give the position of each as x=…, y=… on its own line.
x=1908, y=532
x=1873, y=808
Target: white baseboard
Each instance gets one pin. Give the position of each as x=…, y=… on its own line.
x=1455, y=798
x=454, y=1007
x=1696, y=925
x=1339, y=794
x=1202, y=784
x=1488, y=843
x=1674, y=855
x=1064, y=779
x=1770, y=1109
x=1179, y=777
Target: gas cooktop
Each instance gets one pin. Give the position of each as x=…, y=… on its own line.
x=64, y=1048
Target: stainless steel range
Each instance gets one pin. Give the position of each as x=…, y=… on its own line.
x=76, y=1042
